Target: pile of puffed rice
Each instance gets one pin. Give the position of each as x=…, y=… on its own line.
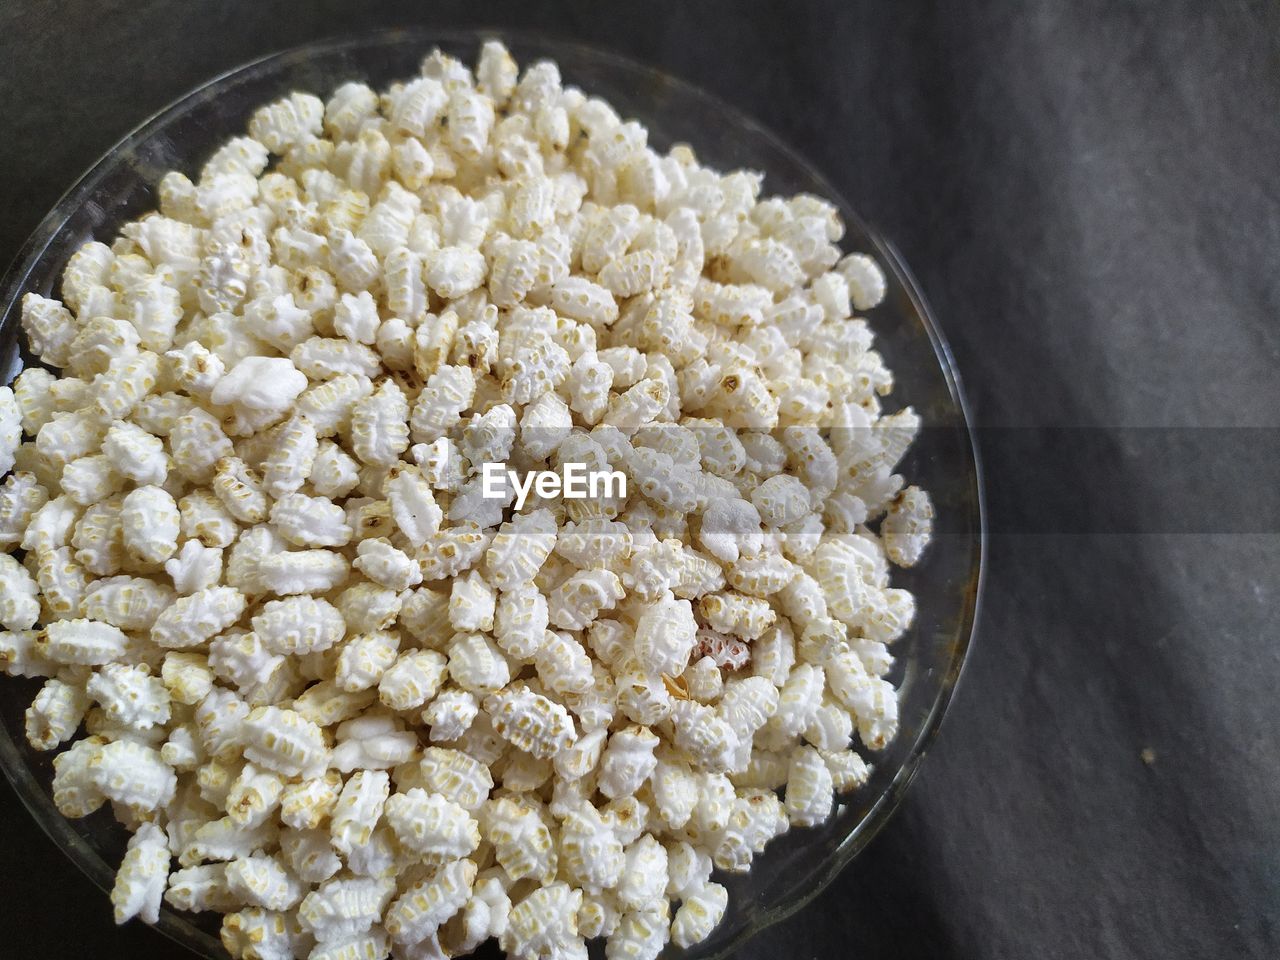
x=367, y=709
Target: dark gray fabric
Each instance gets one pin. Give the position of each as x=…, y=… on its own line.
x=1088, y=193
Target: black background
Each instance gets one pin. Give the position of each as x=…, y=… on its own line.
x=1090, y=196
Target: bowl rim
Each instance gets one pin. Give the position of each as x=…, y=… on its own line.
x=29, y=254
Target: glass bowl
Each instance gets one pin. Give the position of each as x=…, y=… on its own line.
x=795, y=868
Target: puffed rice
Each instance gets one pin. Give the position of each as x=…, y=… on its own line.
x=372, y=711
